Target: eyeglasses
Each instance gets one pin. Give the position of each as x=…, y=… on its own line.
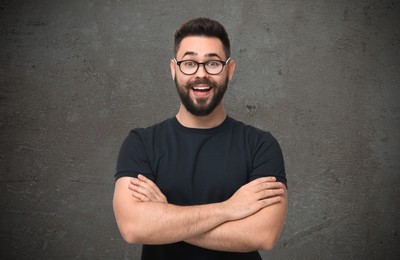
x=212, y=67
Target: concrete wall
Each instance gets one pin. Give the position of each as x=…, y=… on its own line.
x=322, y=76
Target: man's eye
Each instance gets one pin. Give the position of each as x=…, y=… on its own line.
x=189, y=64
x=213, y=63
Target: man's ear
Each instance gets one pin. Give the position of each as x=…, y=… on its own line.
x=172, y=66
x=231, y=68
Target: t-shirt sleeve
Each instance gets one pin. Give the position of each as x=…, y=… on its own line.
x=268, y=160
x=133, y=158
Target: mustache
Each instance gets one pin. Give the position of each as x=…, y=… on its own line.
x=201, y=81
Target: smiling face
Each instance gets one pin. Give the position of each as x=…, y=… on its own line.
x=201, y=93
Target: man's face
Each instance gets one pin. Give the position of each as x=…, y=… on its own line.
x=201, y=92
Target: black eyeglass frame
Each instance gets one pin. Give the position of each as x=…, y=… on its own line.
x=204, y=65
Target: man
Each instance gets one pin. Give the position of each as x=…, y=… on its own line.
x=200, y=185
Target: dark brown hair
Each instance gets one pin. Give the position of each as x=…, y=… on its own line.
x=202, y=27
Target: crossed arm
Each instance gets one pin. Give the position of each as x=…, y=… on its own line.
x=251, y=219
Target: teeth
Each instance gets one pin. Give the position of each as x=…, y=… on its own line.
x=201, y=88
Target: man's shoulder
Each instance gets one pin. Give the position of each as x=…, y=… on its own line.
x=149, y=130
x=248, y=129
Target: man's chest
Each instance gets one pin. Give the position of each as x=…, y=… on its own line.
x=200, y=171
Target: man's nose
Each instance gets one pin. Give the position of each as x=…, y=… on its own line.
x=201, y=72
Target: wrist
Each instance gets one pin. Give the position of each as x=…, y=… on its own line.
x=225, y=211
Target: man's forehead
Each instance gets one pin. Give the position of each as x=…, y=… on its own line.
x=201, y=46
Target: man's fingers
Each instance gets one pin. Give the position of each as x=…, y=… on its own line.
x=264, y=182
x=142, y=177
x=140, y=187
x=269, y=193
x=143, y=184
x=141, y=190
x=140, y=196
x=263, y=179
x=148, y=182
x=270, y=185
x=265, y=187
x=151, y=184
x=262, y=186
x=147, y=188
x=270, y=201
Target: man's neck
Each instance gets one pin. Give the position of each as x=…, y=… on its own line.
x=189, y=120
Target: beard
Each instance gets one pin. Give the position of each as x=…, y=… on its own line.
x=201, y=106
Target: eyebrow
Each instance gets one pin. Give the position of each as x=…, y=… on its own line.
x=192, y=53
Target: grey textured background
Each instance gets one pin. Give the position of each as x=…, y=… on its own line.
x=322, y=76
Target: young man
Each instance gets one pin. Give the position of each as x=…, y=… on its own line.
x=201, y=185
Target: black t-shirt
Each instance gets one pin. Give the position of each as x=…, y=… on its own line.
x=199, y=166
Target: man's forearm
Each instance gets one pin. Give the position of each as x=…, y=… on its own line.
x=145, y=221
x=162, y=223
x=258, y=231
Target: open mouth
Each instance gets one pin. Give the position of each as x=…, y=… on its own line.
x=202, y=91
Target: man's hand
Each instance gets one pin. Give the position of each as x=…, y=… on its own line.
x=254, y=196
x=144, y=189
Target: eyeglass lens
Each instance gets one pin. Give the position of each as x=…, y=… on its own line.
x=211, y=67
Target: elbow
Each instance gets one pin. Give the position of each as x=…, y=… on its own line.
x=128, y=238
x=130, y=235
x=267, y=245
x=269, y=242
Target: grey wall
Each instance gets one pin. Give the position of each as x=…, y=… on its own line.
x=322, y=76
